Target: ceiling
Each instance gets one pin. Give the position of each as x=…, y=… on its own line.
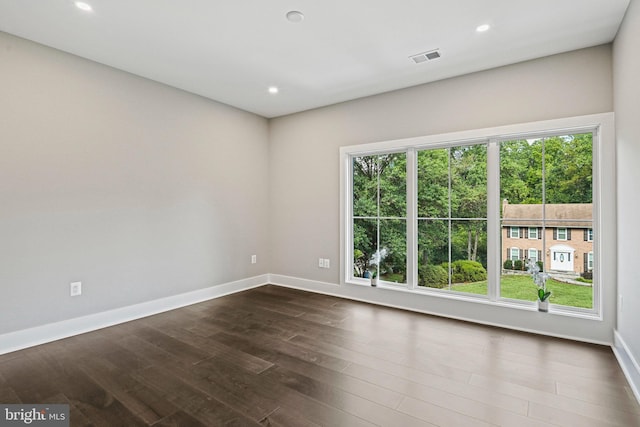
x=232, y=51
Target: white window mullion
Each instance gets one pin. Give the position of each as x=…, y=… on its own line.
x=412, y=219
x=494, y=244
x=377, y=248
x=346, y=201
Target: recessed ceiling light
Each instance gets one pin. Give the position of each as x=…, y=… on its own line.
x=83, y=6
x=273, y=90
x=482, y=28
x=295, y=16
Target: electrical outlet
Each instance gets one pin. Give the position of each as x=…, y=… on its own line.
x=327, y=263
x=320, y=262
x=75, y=289
x=254, y=259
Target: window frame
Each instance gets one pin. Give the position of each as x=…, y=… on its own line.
x=566, y=234
x=601, y=125
x=513, y=235
x=378, y=218
x=529, y=233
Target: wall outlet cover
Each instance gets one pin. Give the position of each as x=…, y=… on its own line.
x=75, y=289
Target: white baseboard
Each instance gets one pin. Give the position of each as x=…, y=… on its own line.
x=628, y=363
x=19, y=340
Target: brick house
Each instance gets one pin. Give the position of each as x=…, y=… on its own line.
x=563, y=241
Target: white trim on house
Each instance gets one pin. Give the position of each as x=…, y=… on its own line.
x=25, y=338
x=562, y=258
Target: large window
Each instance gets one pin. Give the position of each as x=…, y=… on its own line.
x=448, y=216
x=379, y=217
x=452, y=217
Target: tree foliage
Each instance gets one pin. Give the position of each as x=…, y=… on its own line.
x=567, y=166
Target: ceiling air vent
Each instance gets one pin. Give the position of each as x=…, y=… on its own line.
x=426, y=56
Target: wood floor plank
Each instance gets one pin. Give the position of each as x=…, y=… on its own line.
x=7, y=395
x=608, y=413
x=272, y=356
x=438, y=415
x=600, y=395
x=269, y=349
x=282, y=417
x=144, y=403
x=30, y=378
x=220, y=351
x=194, y=402
x=183, y=351
x=95, y=403
x=556, y=416
x=336, y=397
x=468, y=400
x=179, y=419
x=419, y=366
x=231, y=385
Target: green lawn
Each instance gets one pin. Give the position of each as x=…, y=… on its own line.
x=522, y=288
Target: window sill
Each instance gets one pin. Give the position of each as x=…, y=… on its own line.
x=580, y=313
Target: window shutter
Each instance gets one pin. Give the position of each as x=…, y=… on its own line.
x=586, y=234
x=555, y=234
x=539, y=255
x=586, y=262
x=526, y=233
x=568, y=234
x=521, y=254
x=508, y=254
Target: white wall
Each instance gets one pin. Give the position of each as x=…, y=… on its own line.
x=627, y=107
x=138, y=190
x=304, y=168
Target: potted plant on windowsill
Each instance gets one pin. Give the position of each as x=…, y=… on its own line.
x=540, y=280
x=374, y=263
x=374, y=278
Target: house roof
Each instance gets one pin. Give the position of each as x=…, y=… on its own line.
x=574, y=215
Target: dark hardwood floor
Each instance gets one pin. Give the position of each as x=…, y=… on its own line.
x=280, y=357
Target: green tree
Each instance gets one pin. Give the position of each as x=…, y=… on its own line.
x=379, y=206
x=469, y=193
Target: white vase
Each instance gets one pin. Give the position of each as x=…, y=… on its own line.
x=374, y=281
x=543, y=306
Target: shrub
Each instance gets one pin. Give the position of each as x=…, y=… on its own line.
x=464, y=271
x=540, y=265
x=508, y=265
x=433, y=276
x=587, y=275
x=518, y=264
